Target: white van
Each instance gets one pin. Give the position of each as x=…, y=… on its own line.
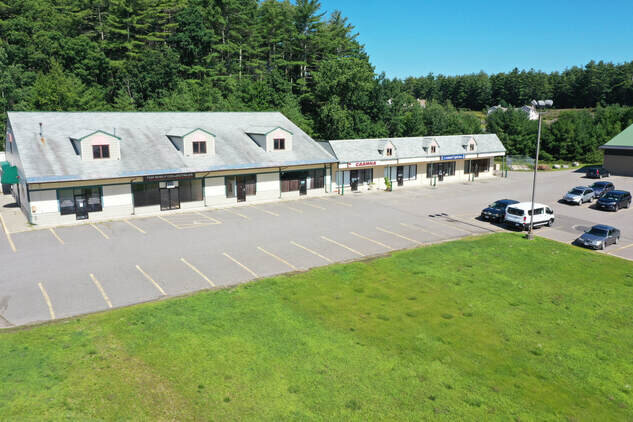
x=518, y=215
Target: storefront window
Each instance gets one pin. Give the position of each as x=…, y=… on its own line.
x=92, y=197
x=481, y=165
x=446, y=168
x=145, y=194
x=229, y=184
x=190, y=190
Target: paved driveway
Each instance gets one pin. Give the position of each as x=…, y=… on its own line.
x=67, y=271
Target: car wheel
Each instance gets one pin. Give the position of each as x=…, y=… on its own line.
x=602, y=245
x=617, y=207
x=550, y=222
x=615, y=242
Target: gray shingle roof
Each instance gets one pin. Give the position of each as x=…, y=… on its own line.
x=145, y=147
x=351, y=150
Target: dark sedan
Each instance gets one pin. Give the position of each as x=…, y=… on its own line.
x=599, y=237
x=598, y=172
x=601, y=188
x=615, y=200
x=497, y=210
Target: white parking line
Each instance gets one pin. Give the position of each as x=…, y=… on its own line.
x=420, y=228
x=264, y=210
x=311, y=251
x=343, y=246
x=6, y=232
x=135, y=226
x=620, y=248
x=297, y=210
x=214, y=220
x=305, y=202
x=168, y=222
x=278, y=258
x=160, y=289
x=236, y=213
x=56, y=235
x=335, y=201
x=253, y=273
x=48, y=301
x=103, y=293
x=184, y=261
x=100, y=231
x=399, y=235
x=372, y=240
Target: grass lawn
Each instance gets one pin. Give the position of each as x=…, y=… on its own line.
x=489, y=328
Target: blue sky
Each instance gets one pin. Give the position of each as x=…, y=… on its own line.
x=408, y=37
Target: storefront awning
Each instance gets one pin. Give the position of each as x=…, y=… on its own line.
x=9, y=174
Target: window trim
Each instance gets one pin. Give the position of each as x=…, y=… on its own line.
x=279, y=144
x=433, y=149
x=101, y=148
x=389, y=152
x=202, y=145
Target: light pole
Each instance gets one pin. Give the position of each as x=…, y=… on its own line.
x=539, y=105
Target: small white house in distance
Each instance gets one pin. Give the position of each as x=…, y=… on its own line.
x=365, y=163
x=94, y=165
x=531, y=112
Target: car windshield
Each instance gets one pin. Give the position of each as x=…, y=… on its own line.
x=611, y=195
x=598, y=232
x=599, y=185
x=515, y=211
x=498, y=205
x=576, y=192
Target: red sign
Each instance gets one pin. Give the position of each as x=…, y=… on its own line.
x=365, y=163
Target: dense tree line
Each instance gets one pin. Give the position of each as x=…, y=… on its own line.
x=257, y=55
x=578, y=87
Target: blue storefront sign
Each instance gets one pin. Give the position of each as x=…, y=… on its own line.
x=452, y=157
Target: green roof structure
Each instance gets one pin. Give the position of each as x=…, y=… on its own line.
x=623, y=140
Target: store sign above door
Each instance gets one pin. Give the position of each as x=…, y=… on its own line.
x=364, y=163
x=452, y=157
x=162, y=177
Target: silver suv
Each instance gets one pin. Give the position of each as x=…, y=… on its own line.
x=579, y=195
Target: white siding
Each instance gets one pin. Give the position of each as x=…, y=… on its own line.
x=117, y=195
x=44, y=201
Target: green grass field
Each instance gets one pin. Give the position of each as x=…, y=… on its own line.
x=489, y=328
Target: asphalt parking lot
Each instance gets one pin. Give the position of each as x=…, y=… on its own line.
x=66, y=271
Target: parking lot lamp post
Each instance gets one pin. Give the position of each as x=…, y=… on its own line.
x=539, y=105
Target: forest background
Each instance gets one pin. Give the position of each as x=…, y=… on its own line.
x=249, y=55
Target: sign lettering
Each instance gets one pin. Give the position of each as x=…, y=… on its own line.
x=161, y=177
x=365, y=163
x=452, y=157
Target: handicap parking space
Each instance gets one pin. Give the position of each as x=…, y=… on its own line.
x=35, y=240
x=192, y=219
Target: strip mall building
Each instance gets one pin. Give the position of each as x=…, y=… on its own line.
x=62, y=167
x=75, y=166
x=365, y=163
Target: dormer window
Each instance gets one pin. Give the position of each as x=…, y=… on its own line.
x=389, y=152
x=279, y=143
x=433, y=149
x=471, y=147
x=100, y=151
x=199, y=147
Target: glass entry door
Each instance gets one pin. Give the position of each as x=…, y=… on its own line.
x=241, y=188
x=400, y=175
x=353, y=180
x=169, y=199
x=81, y=207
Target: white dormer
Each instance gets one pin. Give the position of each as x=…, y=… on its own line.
x=97, y=145
x=431, y=147
x=271, y=138
x=388, y=150
x=193, y=142
x=469, y=144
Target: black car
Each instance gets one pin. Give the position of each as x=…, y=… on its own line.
x=497, y=210
x=600, y=188
x=598, y=172
x=615, y=200
x=599, y=237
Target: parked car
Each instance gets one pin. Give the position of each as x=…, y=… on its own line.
x=519, y=215
x=497, y=210
x=600, y=188
x=599, y=237
x=579, y=195
x=615, y=200
x=598, y=172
